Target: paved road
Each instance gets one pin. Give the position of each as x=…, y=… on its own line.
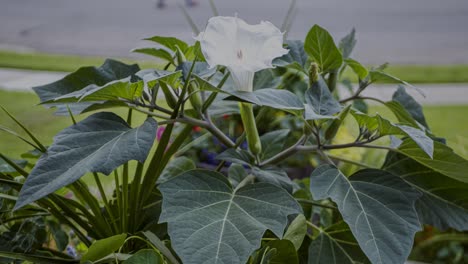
x=398, y=31
x=436, y=94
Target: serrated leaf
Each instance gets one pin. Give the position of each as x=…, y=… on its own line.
x=209, y=222
x=320, y=101
x=275, y=176
x=296, y=231
x=358, y=68
x=100, y=143
x=169, y=42
x=444, y=201
x=110, y=71
x=411, y=105
x=103, y=247
x=145, y=256
x=273, y=142
x=320, y=46
x=377, y=206
x=444, y=161
x=383, y=127
x=158, y=53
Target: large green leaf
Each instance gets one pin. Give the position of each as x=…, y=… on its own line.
x=358, y=68
x=151, y=77
x=145, y=256
x=444, y=160
x=110, y=71
x=176, y=167
x=321, y=103
x=402, y=114
x=444, y=201
x=320, y=46
x=100, y=143
x=280, y=252
x=377, y=206
x=101, y=248
x=383, y=127
x=209, y=222
x=411, y=105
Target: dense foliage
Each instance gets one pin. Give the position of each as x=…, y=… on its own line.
x=197, y=193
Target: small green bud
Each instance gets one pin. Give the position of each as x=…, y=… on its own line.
x=180, y=56
x=313, y=73
x=195, y=98
x=170, y=98
x=250, y=127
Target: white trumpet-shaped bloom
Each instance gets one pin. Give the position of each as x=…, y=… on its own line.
x=244, y=49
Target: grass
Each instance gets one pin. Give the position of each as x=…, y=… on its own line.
x=54, y=62
x=57, y=62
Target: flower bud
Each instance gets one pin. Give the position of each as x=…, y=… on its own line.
x=250, y=127
x=313, y=73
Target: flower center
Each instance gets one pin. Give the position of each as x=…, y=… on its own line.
x=240, y=55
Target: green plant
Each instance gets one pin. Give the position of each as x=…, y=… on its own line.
x=164, y=209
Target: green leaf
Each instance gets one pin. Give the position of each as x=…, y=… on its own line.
x=112, y=91
x=283, y=251
x=35, y=258
x=358, y=68
x=411, y=105
x=296, y=231
x=6, y=168
x=176, y=167
x=151, y=77
x=239, y=156
x=444, y=201
x=320, y=46
x=275, y=176
x=236, y=173
x=326, y=250
x=335, y=124
x=265, y=79
x=348, y=43
x=110, y=71
x=296, y=54
x=377, y=76
x=169, y=42
x=402, y=114
x=158, y=53
x=100, y=143
x=383, y=127
x=444, y=161
x=273, y=142
x=320, y=101
x=60, y=237
x=160, y=246
x=377, y=206
x=209, y=222
x=335, y=245
x=103, y=247
x=145, y=256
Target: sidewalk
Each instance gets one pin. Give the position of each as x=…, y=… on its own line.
x=436, y=94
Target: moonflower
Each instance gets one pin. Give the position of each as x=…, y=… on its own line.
x=244, y=49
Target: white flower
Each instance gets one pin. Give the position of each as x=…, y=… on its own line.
x=244, y=49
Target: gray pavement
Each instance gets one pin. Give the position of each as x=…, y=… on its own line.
x=397, y=31
x=440, y=94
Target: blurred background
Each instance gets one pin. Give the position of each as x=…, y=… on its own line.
x=397, y=31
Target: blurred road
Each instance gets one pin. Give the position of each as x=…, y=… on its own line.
x=398, y=31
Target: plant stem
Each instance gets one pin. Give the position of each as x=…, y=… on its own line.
x=285, y=153
x=304, y=201
x=349, y=161
x=106, y=202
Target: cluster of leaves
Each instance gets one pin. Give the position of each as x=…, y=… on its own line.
x=166, y=210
